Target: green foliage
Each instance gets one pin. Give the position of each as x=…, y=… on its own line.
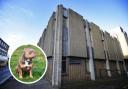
x=39, y=63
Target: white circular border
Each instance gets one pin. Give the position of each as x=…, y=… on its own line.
x=38, y=78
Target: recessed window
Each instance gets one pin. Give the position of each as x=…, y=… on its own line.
x=64, y=65
x=75, y=61
x=65, y=38
x=65, y=13
x=87, y=65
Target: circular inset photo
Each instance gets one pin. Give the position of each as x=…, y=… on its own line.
x=28, y=64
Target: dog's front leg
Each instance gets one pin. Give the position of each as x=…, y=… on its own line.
x=20, y=73
x=30, y=72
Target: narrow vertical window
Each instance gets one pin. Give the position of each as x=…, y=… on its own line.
x=63, y=64
x=87, y=65
x=64, y=41
x=64, y=37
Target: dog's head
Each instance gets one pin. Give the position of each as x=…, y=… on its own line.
x=29, y=53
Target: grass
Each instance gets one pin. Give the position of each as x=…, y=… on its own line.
x=39, y=63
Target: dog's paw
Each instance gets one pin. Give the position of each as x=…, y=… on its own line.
x=31, y=76
x=20, y=77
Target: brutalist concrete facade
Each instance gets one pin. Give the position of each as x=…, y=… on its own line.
x=78, y=50
x=122, y=38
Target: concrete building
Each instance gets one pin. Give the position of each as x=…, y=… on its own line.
x=3, y=53
x=79, y=50
x=122, y=37
x=4, y=70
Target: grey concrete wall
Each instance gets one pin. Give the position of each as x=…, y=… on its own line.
x=110, y=46
x=118, y=51
x=121, y=36
x=48, y=74
x=42, y=38
x=49, y=36
x=39, y=42
x=77, y=38
x=97, y=42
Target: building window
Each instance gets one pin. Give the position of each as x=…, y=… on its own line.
x=64, y=22
x=65, y=37
x=65, y=13
x=63, y=64
x=87, y=65
x=64, y=42
x=3, y=48
x=75, y=61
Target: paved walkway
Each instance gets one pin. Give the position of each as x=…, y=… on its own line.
x=4, y=74
x=11, y=83
x=119, y=83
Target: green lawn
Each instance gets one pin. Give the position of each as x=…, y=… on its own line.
x=39, y=63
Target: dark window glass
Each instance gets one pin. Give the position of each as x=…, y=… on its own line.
x=65, y=13
x=64, y=65
x=64, y=38
x=75, y=61
x=87, y=65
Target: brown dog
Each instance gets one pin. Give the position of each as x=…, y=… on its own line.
x=25, y=62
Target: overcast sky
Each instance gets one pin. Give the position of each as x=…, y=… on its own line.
x=23, y=21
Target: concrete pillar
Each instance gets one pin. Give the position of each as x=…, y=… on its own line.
x=116, y=56
x=124, y=65
x=89, y=45
x=106, y=55
x=57, y=53
x=108, y=68
x=118, y=67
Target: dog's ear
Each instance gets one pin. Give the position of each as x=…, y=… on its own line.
x=22, y=58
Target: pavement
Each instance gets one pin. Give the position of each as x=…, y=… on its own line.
x=4, y=74
x=11, y=83
x=8, y=82
x=118, y=83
